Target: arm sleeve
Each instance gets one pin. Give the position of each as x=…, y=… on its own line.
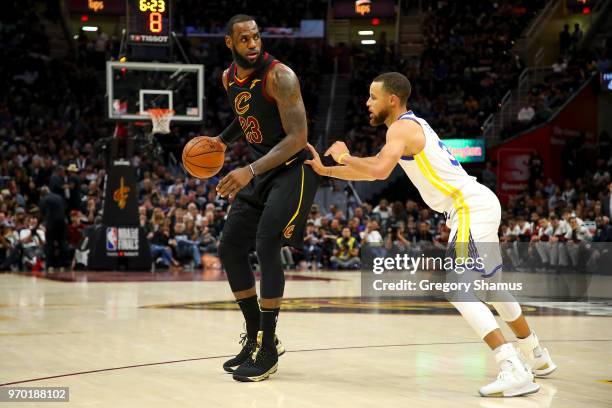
x=231, y=133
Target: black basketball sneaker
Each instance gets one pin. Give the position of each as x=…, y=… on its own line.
x=261, y=364
x=248, y=348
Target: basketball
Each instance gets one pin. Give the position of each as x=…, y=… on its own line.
x=203, y=157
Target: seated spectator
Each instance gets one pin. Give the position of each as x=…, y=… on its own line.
x=346, y=252
x=75, y=230
x=184, y=248
x=312, y=246
x=160, y=247
x=373, y=239
x=9, y=247
x=526, y=114
x=32, y=241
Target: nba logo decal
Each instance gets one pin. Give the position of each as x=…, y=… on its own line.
x=112, y=239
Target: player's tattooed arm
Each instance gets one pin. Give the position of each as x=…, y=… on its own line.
x=283, y=85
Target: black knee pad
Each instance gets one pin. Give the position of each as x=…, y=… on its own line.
x=235, y=260
x=272, y=275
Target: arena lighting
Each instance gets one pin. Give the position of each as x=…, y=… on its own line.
x=375, y=21
x=365, y=32
x=89, y=28
x=586, y=10
x=368, y=42
x=84, y=18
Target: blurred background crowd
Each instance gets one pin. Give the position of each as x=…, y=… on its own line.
x=53, y=128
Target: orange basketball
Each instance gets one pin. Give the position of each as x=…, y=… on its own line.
x=203, y=157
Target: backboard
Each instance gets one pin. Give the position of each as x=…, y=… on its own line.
x=134, y=87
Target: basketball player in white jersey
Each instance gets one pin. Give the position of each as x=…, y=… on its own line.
x=474, y=217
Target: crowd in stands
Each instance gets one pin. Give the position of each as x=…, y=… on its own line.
x=466, y=67
x=52, y=121
x=564, y=77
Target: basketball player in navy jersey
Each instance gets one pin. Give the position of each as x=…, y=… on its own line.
x=474, y=217
x=272, y=195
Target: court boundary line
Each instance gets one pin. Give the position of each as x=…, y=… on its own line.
x=288, y=351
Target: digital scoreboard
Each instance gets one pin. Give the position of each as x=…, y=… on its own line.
x=148, y=22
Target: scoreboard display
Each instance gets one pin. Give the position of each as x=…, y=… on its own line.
x=148, y=22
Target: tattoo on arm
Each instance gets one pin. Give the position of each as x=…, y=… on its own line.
x=284, y=86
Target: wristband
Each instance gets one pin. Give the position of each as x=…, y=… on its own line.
x=252, y=171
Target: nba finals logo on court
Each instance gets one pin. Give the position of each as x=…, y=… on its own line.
x=289, y=231
x=363, y=7
x=121, y=194
x=240, y=105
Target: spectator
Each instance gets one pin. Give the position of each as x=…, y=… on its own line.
x=346, y=251
x=312, y=246
x=160, y=247
x=564, y=40
x=32, y=241
x=184, y=248
x=53, y=210
x=526, y=114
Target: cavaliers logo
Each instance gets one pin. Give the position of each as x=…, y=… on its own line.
x=289, y=231
x=241, y=105
x=121, y=194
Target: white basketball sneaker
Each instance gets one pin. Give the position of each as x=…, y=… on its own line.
x=537, y=358
x=514, y=379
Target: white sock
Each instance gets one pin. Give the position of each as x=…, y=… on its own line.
x=530, y=345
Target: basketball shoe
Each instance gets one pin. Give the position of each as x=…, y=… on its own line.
x=248, y=347
x=262, y=364
x=514, y=379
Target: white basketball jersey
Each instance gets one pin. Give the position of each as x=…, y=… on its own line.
x=440, y=179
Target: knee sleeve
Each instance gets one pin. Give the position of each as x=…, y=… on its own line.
x=235, y=260
x=272, y=275
x=509, y=311
x=478, y=316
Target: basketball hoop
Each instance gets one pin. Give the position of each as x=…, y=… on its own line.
x=161, y=119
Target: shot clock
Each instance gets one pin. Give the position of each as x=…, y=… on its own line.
x=148, y=22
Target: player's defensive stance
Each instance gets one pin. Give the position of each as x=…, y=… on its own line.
x=474, y=214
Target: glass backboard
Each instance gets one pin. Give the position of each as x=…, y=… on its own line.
x=134, y=87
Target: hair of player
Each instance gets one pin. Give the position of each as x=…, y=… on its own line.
x=238, y=18
x=396, y=84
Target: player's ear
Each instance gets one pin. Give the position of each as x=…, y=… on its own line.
x=228, y=41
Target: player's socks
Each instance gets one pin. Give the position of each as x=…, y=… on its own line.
x=514, y=378
x=262, y=364
x=268, y=326
x=537, y=357
x=252, y=315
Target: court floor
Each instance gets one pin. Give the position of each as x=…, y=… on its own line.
x=162, y=343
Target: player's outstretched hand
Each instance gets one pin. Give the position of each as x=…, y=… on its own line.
x=336, y=150
x=231, y=184
x=315, y=162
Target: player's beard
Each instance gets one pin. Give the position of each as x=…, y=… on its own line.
x=377, y=120
x=245, y=63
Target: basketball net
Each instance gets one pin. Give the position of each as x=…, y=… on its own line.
x=161, y=119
